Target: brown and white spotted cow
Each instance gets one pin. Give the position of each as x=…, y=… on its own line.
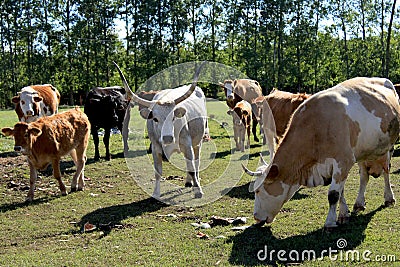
x=36, y=101
x=282, y=105
x=242, y=89
x=46, y=140
x=241, y=115
x=355, y=121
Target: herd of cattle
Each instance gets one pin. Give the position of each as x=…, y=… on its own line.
x=312, y=139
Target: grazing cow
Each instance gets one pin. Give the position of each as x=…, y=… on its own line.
x=106, y=108
x=282, y=105
x=36, y=101
x=241, y=115
x=242, y=89
x=176, y=121
x=46, y=140
x=355, y=121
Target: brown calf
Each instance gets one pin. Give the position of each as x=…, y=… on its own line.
x=241, y=114
x=46, y=140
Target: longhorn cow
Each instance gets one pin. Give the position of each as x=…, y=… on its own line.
x=176, y=122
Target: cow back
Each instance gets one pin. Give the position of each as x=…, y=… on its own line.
x=105, y=107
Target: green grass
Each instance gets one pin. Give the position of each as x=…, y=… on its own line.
x=135, y=231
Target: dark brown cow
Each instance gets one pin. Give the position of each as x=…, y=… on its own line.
x=46, y=140
x=36, y=101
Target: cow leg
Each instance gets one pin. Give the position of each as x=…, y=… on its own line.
x=236, y=136
x=125, y=129
x=79, y=174
x=248, y=136
x=255, y=122
x=359, y=205
x=95, y=135
x=389, y=198
x=242, y=136
x=333, y=197
x=57, y=175
x=157, y=158
x=106, y=141
x=32, y=181
x=192, y=155
x=344, y=213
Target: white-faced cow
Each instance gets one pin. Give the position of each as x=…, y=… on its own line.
x=36, y=101
x=106, y=108
x=241, y=115
x=282, y=105
x=242, y=89
x=46, y=140
x=176, y=121
x=355, y=121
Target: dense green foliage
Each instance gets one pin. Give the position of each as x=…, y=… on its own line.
x=293, y=45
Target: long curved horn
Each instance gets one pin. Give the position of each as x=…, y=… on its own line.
x=262, y=160
x=192, y=87
x=257, y=173
x=134, y=97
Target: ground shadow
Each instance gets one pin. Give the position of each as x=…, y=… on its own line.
x=111, y=217
x=10, y=154
x=16, y=205
x=242, y=192
x=254, y=245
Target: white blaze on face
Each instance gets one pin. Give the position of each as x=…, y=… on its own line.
x=269, y=202
x=27, y=100
x=229, y=90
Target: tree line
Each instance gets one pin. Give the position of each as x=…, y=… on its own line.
x=294, y=45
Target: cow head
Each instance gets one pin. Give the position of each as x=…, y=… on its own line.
x=162, y=113
x=29, y=101
x=228, y=87
x=24, y=136
x=239, y=115
x=270, y=193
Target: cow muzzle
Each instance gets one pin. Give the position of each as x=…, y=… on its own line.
x=259, y=222
x=18, y=148
x=167, y=139
x=29, y=113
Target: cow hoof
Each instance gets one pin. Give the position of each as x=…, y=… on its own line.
x=96, y=158
x=73, y=189
x=188, y=184
x=256, y=139
x=329, y=228
x=390, y=203
x=198, y=193
x=28, y=199
x=343, y=220
x=358, y=208
x=64, y=194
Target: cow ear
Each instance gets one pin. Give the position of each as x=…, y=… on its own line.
x=245, y=112
x=273, y=172
x=146, y=113
x=179, y=112
x=229, y=112
x=7, y=131
x=15, y=99
x=35, y=131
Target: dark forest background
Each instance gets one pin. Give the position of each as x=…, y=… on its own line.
x=294, y=45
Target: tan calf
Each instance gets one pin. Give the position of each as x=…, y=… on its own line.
x=46, y=140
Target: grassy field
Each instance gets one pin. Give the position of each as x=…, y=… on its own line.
x=135, y=230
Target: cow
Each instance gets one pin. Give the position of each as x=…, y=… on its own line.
x=242, y=89
x=355, y=121
x=36, y=101
x=48, y=139
x=176, y=122
x=241, y=115
x=282, y=105
x=106, y=108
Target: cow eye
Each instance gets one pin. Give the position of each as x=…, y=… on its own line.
x=23, y=102
x=257, y=191
x=155, y=119
x=26, y=135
